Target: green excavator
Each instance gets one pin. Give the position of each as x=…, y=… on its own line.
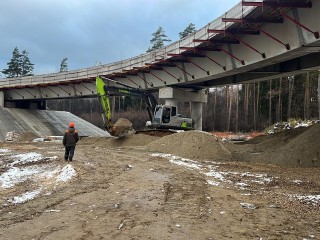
x=161, y=116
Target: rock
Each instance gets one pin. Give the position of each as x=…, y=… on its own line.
x=122, y=128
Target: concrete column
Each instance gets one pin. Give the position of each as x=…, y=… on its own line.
x=173, y=96
x=1, y=99
x=196, y=115
x=171, y=102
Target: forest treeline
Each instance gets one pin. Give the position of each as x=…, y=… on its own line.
x=251, y=106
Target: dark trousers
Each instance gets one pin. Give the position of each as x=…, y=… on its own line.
x=69, y=152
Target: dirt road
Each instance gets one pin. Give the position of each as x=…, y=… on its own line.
x=130, y=192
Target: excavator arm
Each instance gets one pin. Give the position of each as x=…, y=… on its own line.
x=104, y=102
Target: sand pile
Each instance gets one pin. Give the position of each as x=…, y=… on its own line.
x=291, y=148
x=191, y=144
x=303, y=150
x=132, y=140
x=27, y=136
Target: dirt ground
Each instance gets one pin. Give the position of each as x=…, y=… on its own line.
x=182, y=186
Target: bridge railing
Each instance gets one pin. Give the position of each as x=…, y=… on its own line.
x=237, y=11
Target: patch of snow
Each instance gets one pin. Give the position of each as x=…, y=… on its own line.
x=213, y=183
x=67, y=173
x=297, y=181
x=52, y=210
x=301, y=125
x=16, y=175
x=243, y=185
x=248, y=205
x=3, y=150
x=25, y=197
x=179, y=160
x=185, y=163
x=217, y=175
x=38, y=140
x=26, y=158
x=312, y=199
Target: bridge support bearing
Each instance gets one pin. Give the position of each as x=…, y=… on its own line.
x=1, y=99
x=173, y=95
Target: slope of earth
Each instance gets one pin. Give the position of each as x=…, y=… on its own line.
x=295, y=147
x=123, y=190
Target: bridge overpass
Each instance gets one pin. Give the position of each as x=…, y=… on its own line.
x=253, y=41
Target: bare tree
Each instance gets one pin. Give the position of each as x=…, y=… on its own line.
x=214, y=109
x=246, y=102
x=291, y=86
x=257, y=106
x=319, y=95
x=237, y=109
x=306, y=105
x=279, y=107
x=270, y=102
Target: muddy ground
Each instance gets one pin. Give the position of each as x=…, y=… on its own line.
x=187, y=186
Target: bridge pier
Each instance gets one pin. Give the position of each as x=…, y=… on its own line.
x=173, y=95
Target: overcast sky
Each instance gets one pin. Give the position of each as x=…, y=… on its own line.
x=88, y=32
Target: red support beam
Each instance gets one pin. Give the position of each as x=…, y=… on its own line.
x=224, y=41
x=172, y=75
x=223, y=67
x=133, y=81
x=145, y=80
x=254, y=49
x=288, y=4
x=253, y=20
x=174, y=55
x=207, y=72
x=199, y=49
x=176, y=65
x=316, y=34
x=234, y=32
x=158, y=78
x=142, y=69
x=230, y=54
x=277, y=40
x=201, y=40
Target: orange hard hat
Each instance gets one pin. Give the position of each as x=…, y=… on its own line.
x=71, y=124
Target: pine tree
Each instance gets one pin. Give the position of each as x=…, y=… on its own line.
x=26, y=65
x=14, y=66
x=19, y=65
x=64, y=65
x=158, y=40
x=191, y=28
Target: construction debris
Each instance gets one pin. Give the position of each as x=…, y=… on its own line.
x=12, y=136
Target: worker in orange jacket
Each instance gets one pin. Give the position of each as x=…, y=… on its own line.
x=70, y=139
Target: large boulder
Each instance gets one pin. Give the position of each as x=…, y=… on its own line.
x=122, y=128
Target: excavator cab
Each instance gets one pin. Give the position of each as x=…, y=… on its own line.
x=166, y=116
